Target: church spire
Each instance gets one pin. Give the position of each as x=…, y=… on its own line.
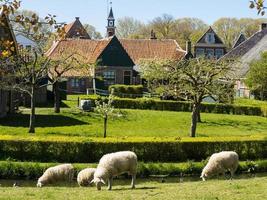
x=111, y=23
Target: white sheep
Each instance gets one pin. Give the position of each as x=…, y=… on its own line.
x=64, y=172
x=114, y=164
x=85, y=177
x=219, y=163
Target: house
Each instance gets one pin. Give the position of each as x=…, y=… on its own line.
x=76, y=30
x=116, y=59
x=7, y=98
x=25, y=42
x=246, y=52
x=210, y=45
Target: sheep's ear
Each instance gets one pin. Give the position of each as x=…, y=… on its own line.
x=93, y=181
x=102, y=181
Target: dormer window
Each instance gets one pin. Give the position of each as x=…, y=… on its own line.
x=210, y=38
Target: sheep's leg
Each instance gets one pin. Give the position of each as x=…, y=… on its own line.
x=133, y=181
x=110, y=180
x=232, y=174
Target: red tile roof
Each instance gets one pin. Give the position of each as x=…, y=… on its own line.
x=137, y=49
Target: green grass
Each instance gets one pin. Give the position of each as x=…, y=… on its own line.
x=134, y=123
x=250, y=102
x=251, y=188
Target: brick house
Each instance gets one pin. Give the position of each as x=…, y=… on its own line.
x=117, y=59
x=7, y=98
x=210, y=45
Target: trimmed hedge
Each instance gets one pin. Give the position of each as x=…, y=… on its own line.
x=127, y=90
x=147, y=151
x=31, y=170
x=182, y=106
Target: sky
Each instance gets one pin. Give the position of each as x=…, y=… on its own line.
x=94, y=12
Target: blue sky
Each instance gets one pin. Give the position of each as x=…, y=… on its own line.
x=94, y=12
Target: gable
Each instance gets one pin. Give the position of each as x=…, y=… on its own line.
x=75, y=30
x=217, y=39
x=114, y=55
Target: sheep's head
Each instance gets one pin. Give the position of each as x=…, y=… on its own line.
x=39, y=184
x=98, y=182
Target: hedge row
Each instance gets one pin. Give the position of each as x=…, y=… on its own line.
x=127, y=90
x=147, y=151
x=31, y=170
x=150, y=104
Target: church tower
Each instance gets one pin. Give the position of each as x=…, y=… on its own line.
x=111, y=24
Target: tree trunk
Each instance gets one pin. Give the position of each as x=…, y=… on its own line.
x=262, y=95
x=105, y=126
x=194, y=120
x=199, y=116
x=32, y=115
x=56, y=97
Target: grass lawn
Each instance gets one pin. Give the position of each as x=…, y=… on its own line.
x=134, y=123
x=251, y=188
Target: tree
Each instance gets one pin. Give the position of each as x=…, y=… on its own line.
x=259, y=5
x=164, y=26
x=127, y=27
x=191, y=80
x=91, y=30
x=26, y=71
x=256, y=78
x=106, y=110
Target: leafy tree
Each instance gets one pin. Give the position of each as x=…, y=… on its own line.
x=256, y=78
x=91, y=30
x=192, y=80
x=127, y=27
x=259, y=5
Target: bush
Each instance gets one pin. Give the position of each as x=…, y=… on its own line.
x=32, y=171
x=147, y=150
x=131, y=91
x=182, y=106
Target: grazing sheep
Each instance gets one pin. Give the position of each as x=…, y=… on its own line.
x=64, y=172
x=114, y=164
x=85, y=177
x=219, y=163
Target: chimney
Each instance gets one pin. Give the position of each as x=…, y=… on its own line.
x=263, y=26
x=153, y=35
x=188, y=47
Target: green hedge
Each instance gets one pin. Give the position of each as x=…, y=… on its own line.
x=31, y=170
x=154, y=151
x=182, y=106
x=127, y=90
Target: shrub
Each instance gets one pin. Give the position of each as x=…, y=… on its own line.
x=147, y=151
x=182, y=106
x=32, y=171
x=131, y=91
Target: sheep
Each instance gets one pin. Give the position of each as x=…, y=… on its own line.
x=85, y=177
x=57, y=173
x=219, y=163
x=114, y=164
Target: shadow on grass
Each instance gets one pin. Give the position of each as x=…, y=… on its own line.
x=22, y=120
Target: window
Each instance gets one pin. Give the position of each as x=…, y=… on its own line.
x=75, y=83
x=109, y=75
x=200, y=52
x=110, y=23
x=210, y=38
x=127, y=76
x=210, y=53
x=218, y=53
